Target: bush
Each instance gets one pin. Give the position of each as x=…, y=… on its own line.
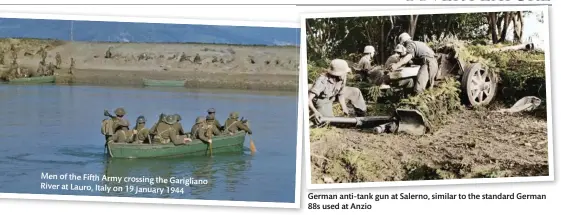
x=435, y=103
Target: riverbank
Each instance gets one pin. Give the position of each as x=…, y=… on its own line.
x=216, y=67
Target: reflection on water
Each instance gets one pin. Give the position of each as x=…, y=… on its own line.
x=55, y=129
x=206, y=174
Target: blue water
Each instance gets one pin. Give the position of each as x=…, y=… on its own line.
x=147, y=32
x=56, y=129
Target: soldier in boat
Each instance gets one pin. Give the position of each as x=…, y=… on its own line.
x=122, y=132
x=211, y=119
x=177, y=126
x=234, y=125
x=165, y=132
x=113, y=126
x=142, y=134
x=203, y=131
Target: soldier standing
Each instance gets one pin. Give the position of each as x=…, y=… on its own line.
x=58, y=60
x=72, y=65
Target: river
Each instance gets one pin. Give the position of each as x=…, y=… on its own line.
x=56, y=129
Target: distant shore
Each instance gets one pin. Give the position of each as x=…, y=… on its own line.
x=219, y=66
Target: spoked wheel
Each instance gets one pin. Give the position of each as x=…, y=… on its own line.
x=479, y=86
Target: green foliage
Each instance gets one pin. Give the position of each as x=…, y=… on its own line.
x=435, y=103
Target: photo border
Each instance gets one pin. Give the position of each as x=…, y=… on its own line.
x=159, y=20
x=426, y=10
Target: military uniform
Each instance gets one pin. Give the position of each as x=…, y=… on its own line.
x=327, y=90
x=211, y=119
x=423, y=55
x=202, y=131
x=58, y=60
x=122, y=132
x=233, y=125
x=142, y=133
x=400, y=52
x=165, y=132
x=177, y=126
x=364, y=66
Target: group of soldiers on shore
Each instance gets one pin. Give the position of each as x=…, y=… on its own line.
x=331, y=86
x=168, y=128
x=43, y=69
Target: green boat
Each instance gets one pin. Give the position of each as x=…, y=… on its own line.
x=220, y=144
x=33, y=80
x=163, y=83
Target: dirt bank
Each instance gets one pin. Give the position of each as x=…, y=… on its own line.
x=220, y=66
x=472, y=144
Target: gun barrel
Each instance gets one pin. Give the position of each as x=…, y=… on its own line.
x=358, y=121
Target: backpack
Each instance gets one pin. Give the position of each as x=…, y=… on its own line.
x=107, y=127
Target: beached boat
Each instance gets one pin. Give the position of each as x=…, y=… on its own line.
x=163, y=83
x=220, y=144
x=34, y=80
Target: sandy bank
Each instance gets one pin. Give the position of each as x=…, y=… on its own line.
x=220, y=66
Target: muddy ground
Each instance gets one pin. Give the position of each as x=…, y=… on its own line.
x=471, y=144
x=220, y=66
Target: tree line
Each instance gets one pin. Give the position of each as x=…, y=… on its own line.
x=329, y=38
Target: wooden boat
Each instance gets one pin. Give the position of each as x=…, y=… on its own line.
x=220, y=144
x=33, y=80
x=163, y=83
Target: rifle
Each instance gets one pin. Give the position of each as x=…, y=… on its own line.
x=107, y=114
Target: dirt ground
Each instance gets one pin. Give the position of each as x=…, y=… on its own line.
x=471, y=144
x=221, y=66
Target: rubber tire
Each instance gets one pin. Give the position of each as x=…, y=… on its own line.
x=466, y=77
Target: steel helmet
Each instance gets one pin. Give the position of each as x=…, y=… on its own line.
x=234, y=115
x=400, y=49
x=200, y=119
x=369, y=49
x=404, y=37
x=177, y=117
x=141, y=119
x=170, y=119
x=120, y=112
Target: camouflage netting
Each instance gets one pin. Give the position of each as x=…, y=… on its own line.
x=520, y=73
x=435, y=103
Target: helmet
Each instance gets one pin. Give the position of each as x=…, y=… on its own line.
x=399, y=49
x=211, y=110
x=369, y=49
x=120, y=112
x=169, y=119
x=200, y=119
x=141, y=119
x=234, y=115
x=404, y=37
x=177, y=117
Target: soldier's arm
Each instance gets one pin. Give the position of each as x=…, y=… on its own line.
x=215, y=131
x=202, y=136
x=180, y=129
x=143, y=134
x=410, y=52
x=153, y=129
x=316, y=90
x=244, y=127
x=218, y=125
